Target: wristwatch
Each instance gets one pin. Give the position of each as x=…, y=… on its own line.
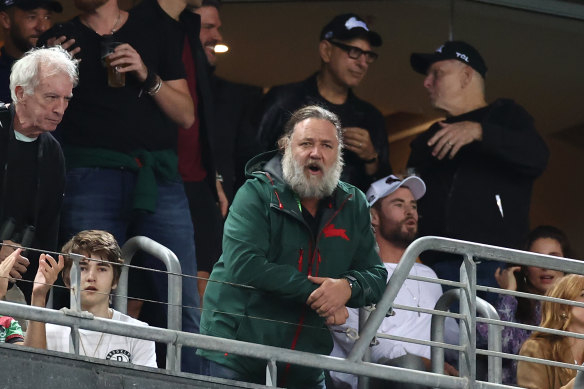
x=351, y=280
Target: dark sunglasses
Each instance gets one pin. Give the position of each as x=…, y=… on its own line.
x=355, y=52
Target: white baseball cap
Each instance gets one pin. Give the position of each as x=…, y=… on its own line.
x=386, y=186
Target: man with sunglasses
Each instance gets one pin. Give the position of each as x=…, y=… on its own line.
x=346, y=53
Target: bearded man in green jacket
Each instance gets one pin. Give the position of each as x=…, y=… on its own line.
x=303, y=240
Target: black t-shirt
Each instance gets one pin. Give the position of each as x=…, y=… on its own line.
x=122, y=119
x=19, y=186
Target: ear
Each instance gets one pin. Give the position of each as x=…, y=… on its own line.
x=5, y=20
x=114, y=286
x=466, y=75
x=19, y=91
x=325, y=50
x=374, y=217
x=283, y=143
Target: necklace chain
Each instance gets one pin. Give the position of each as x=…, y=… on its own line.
x=96, y=347
x=114, y=28
x=417, y=300
x=110, y=316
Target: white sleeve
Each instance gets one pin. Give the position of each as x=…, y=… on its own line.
x=144, y=352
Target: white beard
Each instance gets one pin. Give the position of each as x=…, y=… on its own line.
x=311, y=187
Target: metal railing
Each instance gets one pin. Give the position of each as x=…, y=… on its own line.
x=469, y=305
x=173, y=268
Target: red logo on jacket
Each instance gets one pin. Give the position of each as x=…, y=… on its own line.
x=330, y=231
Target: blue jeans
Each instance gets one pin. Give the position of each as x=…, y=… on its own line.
x=97, y=198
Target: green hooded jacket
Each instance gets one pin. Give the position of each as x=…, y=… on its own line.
x=268, y=245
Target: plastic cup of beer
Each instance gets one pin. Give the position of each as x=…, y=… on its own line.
x=115, y=79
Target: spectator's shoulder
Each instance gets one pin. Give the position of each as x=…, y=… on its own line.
x=287, y=91
x=118, y=316
x=353, y=194
x=536, y=347
x=509, y=106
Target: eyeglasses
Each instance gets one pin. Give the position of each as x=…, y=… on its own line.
x=355, y=52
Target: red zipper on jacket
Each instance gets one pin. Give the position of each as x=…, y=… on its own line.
x=284, y=376
x=300, y=260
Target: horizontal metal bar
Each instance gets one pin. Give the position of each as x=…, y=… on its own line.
x=422, y=342
x=530, y=359
x=457, y=316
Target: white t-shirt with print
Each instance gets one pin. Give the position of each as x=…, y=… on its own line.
x=105, y=346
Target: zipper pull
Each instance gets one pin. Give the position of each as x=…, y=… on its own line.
x=300, y=260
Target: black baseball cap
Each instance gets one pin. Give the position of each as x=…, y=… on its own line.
x=457, y=50
x=51, y=5
x=348, y=26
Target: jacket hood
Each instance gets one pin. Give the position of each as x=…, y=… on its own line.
x=270, y=162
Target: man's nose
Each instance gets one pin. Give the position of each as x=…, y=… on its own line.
x=428, y=82
x=42, y=25
x=217, y=36
x=61, y=106
x=362, y=60
x=315, y=152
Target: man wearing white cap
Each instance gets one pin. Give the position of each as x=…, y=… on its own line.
x=394, y=217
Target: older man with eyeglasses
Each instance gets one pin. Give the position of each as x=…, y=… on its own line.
x=346, y=53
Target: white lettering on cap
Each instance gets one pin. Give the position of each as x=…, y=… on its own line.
x=439, y=50
x=464, y=57
x=354, y=23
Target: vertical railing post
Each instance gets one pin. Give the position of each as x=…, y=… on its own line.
x=75, y=297
x=467, y=358
x=172, y=264
x=364, y=314
x=271, y=373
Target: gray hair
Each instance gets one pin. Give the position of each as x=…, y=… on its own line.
x=310, y=112
x=26, y=72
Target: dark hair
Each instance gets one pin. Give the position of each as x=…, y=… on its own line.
x=91, y=242
x=526, y=307
x=552, y=233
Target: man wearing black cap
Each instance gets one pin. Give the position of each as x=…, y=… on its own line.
x=23, y=21
x=479, y=163
x=345, y=52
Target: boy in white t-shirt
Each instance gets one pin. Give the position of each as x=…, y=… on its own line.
x=98, y=279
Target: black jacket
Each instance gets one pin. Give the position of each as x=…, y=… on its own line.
x=234, y=106
x=482, y=195
x=191, y=23
x=44, y=204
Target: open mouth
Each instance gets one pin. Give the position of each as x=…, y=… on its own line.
x=314, y=168
x=547, y=278
x=90, y=289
